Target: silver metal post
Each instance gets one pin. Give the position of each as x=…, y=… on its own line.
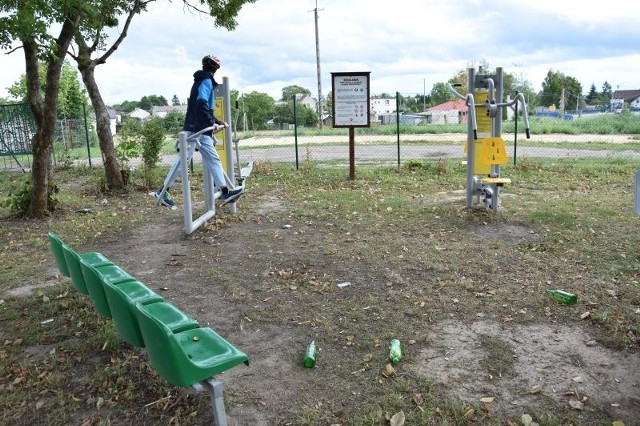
x=217, y=401
x=470, y=141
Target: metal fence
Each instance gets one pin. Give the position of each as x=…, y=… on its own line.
x=17, y=129
x=392, y=140
x=395, y=138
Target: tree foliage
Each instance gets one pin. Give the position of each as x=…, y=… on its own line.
x=152, y=139
x=329, y=102
x=559, y=88
x=173, y=121
x=593, y=96
x=289, y=91
x=148, y=102
x=72, y=97
x=260, y=108
x=440, y=93
x=126, y=106
x=304, y=116
x=606, y=94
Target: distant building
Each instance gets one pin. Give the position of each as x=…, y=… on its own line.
x=451, y=112
x=139, y=113
x=114, y=119
x=162, y=111
x=629, y=97
x=382, y=106
x=306, y=100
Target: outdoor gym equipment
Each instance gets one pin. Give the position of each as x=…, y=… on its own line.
x=186, y=146
x=485, y=146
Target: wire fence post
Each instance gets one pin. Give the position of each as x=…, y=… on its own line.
x=86, y=133
x=295, y=130
x=398, y=124
x=515, y=134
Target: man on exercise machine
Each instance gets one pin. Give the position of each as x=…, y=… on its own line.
x=200, y=116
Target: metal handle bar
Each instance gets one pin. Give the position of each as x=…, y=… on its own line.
x=471, y=104
x=525, y=115
x=216, y=128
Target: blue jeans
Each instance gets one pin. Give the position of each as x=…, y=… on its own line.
x=209, y=156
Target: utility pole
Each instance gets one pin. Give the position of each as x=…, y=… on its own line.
x=315, y=15
x=424, y=94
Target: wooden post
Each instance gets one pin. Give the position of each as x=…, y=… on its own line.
x=352, y=154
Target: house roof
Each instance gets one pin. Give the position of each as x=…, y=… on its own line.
x=113, y=114
x=456, y=105
x=168, y=108
x=626, y=95
x=139, y=113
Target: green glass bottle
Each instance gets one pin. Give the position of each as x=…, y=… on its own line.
x=563, y=297
x=395, y=352
x=309, y=360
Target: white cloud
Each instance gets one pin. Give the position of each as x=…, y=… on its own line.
x=408, y=46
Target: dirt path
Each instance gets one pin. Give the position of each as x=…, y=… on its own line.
x=546, y=364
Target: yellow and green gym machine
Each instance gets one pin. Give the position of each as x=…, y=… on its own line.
x=485, y=147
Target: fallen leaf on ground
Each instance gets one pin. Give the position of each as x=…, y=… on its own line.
x=525, y=419
x=389, y=370
x=576, y=405
x=397, y=419
x=417, y=397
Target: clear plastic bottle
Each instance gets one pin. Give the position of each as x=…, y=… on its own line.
x=395, y=351
x=309, y=360
x=563, y=297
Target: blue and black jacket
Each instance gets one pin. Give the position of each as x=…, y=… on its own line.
x=201, y=103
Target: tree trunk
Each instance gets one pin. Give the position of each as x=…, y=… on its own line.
x=43, y=139
x=45, y=112
x=103, y=127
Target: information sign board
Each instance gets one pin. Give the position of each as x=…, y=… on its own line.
x=351, y=99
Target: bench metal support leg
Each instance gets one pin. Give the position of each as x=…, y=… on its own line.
x=217, y=401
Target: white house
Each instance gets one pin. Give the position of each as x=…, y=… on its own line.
x=621, y=97
x=381, y=106
x=139, y=113
x=114, y=119
x=307, y=101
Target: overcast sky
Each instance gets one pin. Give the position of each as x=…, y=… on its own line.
x=407, y=45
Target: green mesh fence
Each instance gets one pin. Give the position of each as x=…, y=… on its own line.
x=16, y=131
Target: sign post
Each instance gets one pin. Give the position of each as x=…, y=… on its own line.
x=351, y=106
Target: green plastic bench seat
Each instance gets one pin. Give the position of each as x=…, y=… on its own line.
x=122, y=299
x=73, y=258
x=187, y=357
x=94, y=276
x=58, y=253
x=170, y=317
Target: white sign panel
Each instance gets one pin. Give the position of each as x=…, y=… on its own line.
x=351, y=99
